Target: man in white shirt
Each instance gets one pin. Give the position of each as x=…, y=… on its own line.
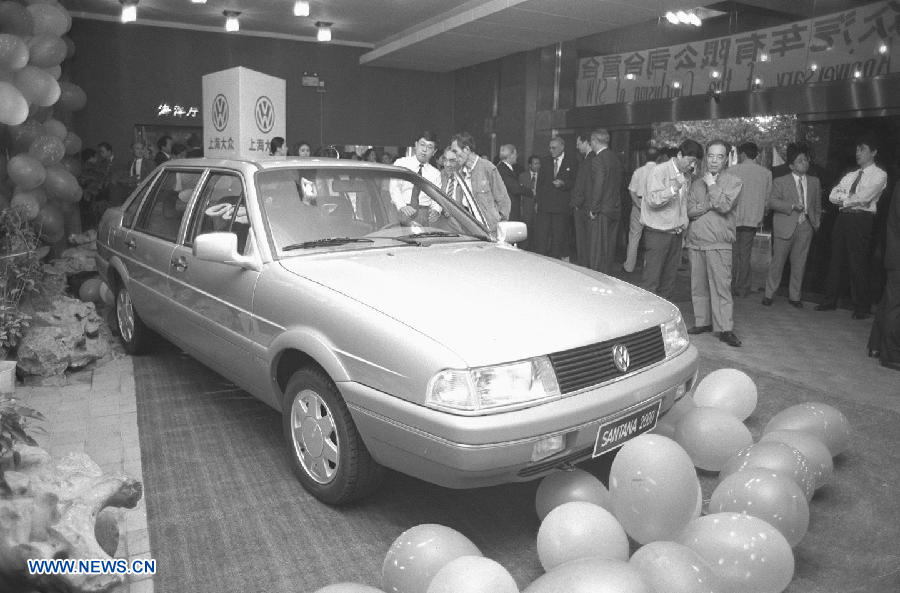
x=636, y=189
x=857, y=196
x=417, y=206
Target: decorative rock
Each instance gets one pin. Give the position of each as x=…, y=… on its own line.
x=56, y=517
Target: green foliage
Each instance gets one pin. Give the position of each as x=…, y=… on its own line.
x=20, y=268
x=12, y=430
x=767, y=132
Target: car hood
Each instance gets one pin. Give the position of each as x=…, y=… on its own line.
x=488, y=303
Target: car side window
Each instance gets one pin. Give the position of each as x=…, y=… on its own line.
x=166, y=205
x=221, y=208
x=132, y=208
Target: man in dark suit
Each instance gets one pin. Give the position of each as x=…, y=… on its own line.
x=605, y=202
x=555, y=182
x=797, y=207
x=164, y=144
x=140, y=166
x=529, y=179
x=580, y=194
x=509, y=171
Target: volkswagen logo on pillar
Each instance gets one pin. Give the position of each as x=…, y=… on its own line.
x=264, y=114
x=621, y=358
x=219, y=112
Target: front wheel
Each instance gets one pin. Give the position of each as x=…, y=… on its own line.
x=327, y=453
x=135, y=335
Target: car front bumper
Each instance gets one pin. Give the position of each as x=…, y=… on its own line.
x=474, y=451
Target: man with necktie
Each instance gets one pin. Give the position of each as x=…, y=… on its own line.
x=140, y=165
x=604, y=202
x=580, y=200
x=795, y=201
x=857, y=197
x=556, y=179
x=415, y=205
x=509, y=171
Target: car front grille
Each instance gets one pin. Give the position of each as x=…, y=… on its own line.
x=543, y=466
x=591, y=365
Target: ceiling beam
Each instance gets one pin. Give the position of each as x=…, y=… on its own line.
x=793, y=8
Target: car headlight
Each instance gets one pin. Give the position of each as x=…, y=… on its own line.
x=490, y=389
x=675, y=336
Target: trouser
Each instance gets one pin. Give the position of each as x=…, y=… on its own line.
x=797, y=248
x=885, y=335
x=635, y=230
x=850, y=241
x=552, y=233
x=515, y=208
x=740, y=260
x=711, y=288
x=662, y=251
x=527, y=216
x=583, y=237
x=604, y=236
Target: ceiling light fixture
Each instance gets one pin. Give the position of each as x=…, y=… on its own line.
x=685, y=17
x=129, y=10
x=301, y=8
x=883, y=48
x=324, y=31
x=198, y=1
x=232, y=23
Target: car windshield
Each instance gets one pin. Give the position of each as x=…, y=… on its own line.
x=352, y=208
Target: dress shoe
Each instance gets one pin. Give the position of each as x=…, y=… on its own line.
x=796, y=304
x=874, y=353
x=824, y=307
x=700, y=329
x=891, y=365
x=860, y=315
x=767, y=301
x=730, y=339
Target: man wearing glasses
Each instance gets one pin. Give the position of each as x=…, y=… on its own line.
x=419, y=207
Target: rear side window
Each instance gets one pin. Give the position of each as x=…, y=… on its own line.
x=165, y=206
x=132, y=209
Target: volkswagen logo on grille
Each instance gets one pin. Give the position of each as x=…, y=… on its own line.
x=621, y=357
x=265, y=114
x=220, y=112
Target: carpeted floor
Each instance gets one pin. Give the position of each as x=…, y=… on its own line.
x=227, y=515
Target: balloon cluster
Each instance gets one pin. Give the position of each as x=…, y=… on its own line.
x=40, y=177
x=758, y=512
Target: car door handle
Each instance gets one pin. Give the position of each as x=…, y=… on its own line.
x=131, y=244
x=179, y=264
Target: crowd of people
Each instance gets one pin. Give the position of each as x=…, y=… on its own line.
x=684, y=197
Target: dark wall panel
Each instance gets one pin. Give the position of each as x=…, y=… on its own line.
x=128, y=70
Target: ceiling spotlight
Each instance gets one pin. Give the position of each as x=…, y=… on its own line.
x=693, y=19
x=672, y=17
x=714, y=73
x=629, y=76
x=301, y=8
x=813, y=66
x=129, y=10
x=676, y=84
x=883, y=48
x=324, y=31
x=763, y=57
x=857, y=74
x=232, y=23
x=198, y=1
x=757, y=81
x=683, y=17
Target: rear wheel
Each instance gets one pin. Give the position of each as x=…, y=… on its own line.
x=328, y=455
x=135, y=335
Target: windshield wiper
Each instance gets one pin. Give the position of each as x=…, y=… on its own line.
x=325, y=242
x=414, y=236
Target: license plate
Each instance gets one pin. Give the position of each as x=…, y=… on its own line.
x=615, y=433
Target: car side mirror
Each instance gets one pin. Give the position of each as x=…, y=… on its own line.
x=222, y=248
x=511, y=232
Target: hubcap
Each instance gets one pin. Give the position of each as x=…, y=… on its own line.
x=125, y=315
x=314, y=436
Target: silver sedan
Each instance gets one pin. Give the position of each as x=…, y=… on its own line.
x=387, y=324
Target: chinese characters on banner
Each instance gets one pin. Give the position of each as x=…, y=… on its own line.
x=857, y=43
x=180, y=111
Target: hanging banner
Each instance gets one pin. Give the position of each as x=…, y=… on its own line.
x=858, y=43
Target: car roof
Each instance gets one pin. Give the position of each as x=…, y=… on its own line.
x=280, y=163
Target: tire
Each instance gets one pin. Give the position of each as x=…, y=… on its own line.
x=327, y=453
x=134, y=334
